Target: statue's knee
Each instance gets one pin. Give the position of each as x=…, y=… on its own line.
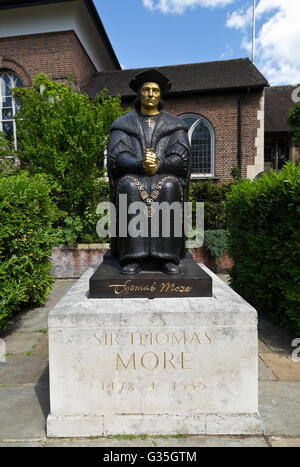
x=171, y=185
x=126, y=185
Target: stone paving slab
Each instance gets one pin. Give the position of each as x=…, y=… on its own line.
x=282, y=366
x=20, y=370
x=264, y=373
x=42, y=347
x=22, y=413
x=279, y=406
x=37, y=318
x=20, y=342
x=277, y=339
x=262, y=347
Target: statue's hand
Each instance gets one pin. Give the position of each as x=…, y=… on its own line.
x=150, y=162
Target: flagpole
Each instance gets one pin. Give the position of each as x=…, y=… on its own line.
x=253, y=32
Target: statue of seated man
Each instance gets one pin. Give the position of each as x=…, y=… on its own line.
x=149, y=161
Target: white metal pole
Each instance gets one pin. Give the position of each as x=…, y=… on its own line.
x=253, y=32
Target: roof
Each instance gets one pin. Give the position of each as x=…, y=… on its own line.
x=9, y=4
x=278, y=101
x=190, y=78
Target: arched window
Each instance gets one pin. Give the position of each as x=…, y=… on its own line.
x=202, y=139
x=8, y=105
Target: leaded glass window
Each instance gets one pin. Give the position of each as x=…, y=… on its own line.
x=201, y=136
x=8, y=105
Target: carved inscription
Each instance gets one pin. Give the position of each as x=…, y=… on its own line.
x=153, y=351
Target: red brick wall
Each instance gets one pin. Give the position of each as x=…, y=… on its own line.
x=70, y=262
x=222, y=112
x=57, y=54
x=221, y=109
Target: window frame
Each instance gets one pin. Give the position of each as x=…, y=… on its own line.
x=200, y=118
x=14, y=77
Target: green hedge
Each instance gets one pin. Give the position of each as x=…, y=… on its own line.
x=264, y=242
x=26, y=241
x=214, y=198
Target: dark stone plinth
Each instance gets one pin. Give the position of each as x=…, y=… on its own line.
x=108, y=281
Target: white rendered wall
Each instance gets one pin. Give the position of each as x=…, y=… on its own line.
x=54, y=18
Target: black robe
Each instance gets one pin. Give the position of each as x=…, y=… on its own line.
x=126, y=152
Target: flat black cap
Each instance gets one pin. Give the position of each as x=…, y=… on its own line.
x=151, y=76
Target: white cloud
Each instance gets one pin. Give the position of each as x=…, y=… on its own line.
x=180, y=6
x=277, y=38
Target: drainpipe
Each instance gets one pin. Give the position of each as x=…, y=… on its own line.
x=239, y=130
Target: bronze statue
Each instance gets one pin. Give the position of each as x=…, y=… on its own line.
x=149, y=161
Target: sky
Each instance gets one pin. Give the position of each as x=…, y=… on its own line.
x=150, y=33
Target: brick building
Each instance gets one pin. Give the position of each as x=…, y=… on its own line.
x=222, y=102
x=60, y=38
x=279, y=146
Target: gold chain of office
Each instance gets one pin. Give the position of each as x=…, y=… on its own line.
x=149, y=209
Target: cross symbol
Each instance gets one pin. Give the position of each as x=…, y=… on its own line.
x=149, y=121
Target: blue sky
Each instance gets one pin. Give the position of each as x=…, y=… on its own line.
x=149, y=33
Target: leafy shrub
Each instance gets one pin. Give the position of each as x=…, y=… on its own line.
x=26, y=241
x=264, y=242
x=64, y=135
x=216, y=242
x=214, y=198
x=293, y=119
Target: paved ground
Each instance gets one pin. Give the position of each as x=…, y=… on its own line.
x=24, y=389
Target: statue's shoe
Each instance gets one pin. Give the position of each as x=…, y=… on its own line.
x=131, y=268
x=170, y=268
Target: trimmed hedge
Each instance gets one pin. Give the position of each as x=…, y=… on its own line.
x=264, y=242
x=26, y=241
x=214, y=198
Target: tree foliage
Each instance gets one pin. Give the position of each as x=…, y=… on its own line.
x=64, y=134
x=293, y=118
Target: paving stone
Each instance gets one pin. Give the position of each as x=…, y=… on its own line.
x=282, y=366
x=264, y=373
x=42, y=347
x=276, y=338
x=21, y=444
x=284, y=442
x=22, y=414
x=43, y=378
x=262, y=347
x=20, y=370
x=21, y=342
x=279, y=406
x=61, y=287
x=224, y=277
x=34, y=320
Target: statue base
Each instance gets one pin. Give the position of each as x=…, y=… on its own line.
x=166, y=366
x=109, y=282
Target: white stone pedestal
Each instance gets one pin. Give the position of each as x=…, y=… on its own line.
x=160, y=366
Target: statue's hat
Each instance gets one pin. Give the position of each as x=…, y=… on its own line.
x=151, y=76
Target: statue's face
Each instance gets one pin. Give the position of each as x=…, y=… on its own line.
x=150, y=96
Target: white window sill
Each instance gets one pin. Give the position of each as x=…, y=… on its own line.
x=203, y=177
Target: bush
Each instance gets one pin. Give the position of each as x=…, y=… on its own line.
x=216, y=242
x=64, y=134
x=26, y=241
x=214, y=198
x=264, y=242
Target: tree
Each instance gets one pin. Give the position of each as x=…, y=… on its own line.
x=64, y=134
x=293, y=118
